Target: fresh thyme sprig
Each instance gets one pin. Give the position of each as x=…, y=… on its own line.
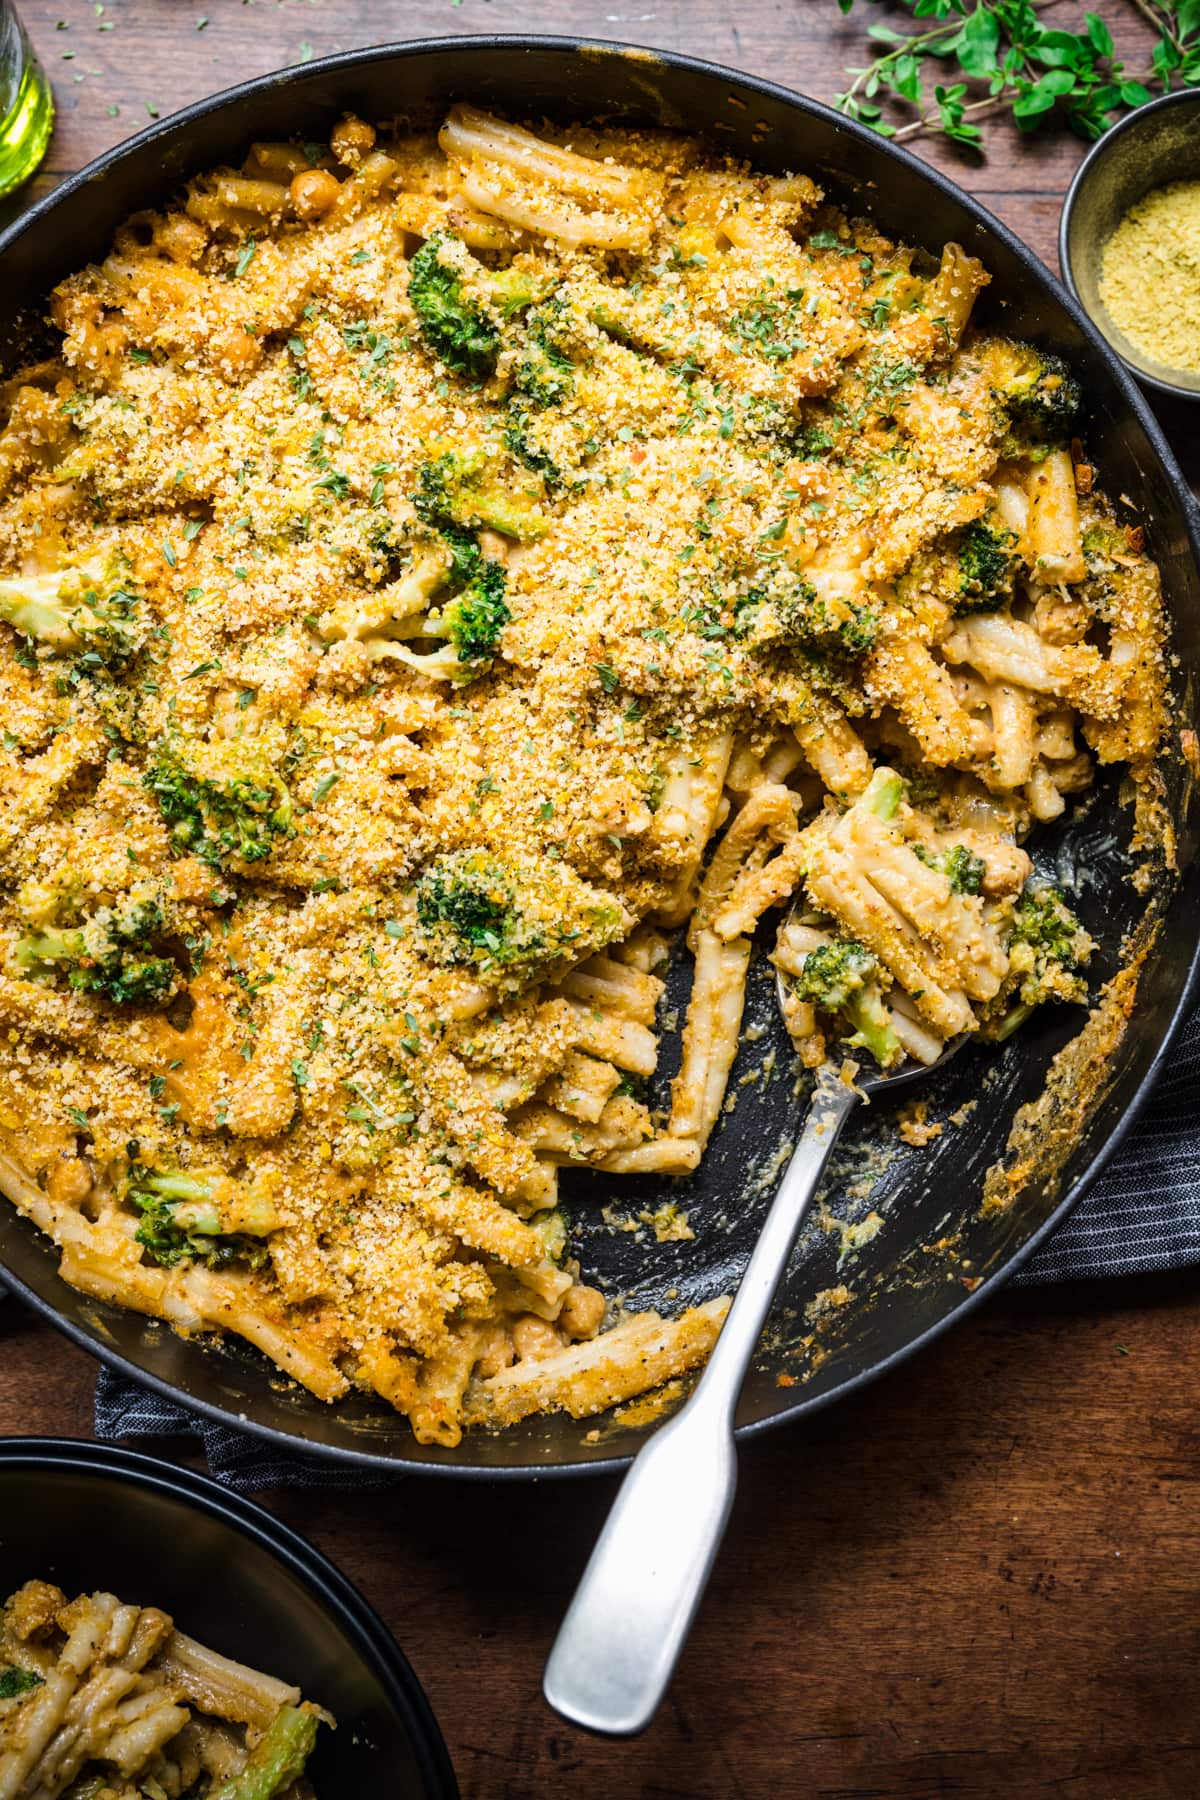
x=998, y=55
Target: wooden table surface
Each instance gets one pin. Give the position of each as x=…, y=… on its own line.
x=979, y=1578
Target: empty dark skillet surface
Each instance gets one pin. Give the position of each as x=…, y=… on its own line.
x=91, y=1517
x=904, y=1284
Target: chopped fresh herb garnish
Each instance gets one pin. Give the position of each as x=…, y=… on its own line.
x=15, y=1681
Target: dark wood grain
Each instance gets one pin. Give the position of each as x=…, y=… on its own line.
x=981, y=1578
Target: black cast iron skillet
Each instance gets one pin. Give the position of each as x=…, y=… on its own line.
x=935, y=1255
x=91, y=1517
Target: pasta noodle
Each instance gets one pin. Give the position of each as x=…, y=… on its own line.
x=435, y=571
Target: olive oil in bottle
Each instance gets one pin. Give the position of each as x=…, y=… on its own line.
x=26, y=105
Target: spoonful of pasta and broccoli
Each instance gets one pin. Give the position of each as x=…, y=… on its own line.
x=892, y=954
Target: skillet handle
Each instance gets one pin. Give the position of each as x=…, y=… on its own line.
x=618, y=1645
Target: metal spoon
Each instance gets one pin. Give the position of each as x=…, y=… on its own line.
x=627, y=1624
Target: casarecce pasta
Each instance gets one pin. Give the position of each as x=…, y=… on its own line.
x=104, y=1700
x=440, y=571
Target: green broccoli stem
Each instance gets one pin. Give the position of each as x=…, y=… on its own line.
x=190, y=1200
x=37, y=619
x=601, y=314
x=512, y=520
x=195, y=1204
x=49, y=947
x=178, y=1186
x=872, y=1026
x=278, y=1759
x=882, y=794
x=1012, y=1021
x=512, y=290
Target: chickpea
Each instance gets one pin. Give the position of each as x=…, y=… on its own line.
x=494, y=546
x=180, y=238
x=496, y=1354
x=236, y=352
x=534, y=1338
x=351, y=140
x=582, y=1312
x=69, y=1181
x=313, y=192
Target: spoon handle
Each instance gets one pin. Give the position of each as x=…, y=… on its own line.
x=619, y=1643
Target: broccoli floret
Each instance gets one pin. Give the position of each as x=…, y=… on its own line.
x=843, y=978
x=986, y=566
x=453, y=491
x=1047, y=947
x=474, y=620
x=460, y=329
x=790, y=610
x=832, y=973
x=465, y=902
x=808, y=618
x=67, y=613
x=517, y=439
x=1046, y=952
x=223, y=801
x=510, y=921
x=971, y=570
x=1042, y=401
x=1105, y=543
x=964, y=869
x=110, y=954
x=466, y=558
x=545, y=374
x=200, y=1217
x=472, y=616
x=1110, y=557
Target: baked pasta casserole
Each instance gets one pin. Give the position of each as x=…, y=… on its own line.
x=440, y=575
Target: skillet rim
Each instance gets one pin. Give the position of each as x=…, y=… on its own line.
x=472, y=45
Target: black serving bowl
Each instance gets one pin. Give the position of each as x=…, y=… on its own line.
x=939, y=1252
x=91, y=1517
x=1156, y=144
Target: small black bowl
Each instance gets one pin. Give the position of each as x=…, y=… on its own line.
x=1156, y=144
x=90, y=1517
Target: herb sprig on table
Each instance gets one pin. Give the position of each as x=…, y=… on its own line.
x=986, y=56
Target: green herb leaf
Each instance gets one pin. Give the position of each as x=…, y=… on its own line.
x=994, y=56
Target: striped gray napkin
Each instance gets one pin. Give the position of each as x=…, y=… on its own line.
x=1142, y=1215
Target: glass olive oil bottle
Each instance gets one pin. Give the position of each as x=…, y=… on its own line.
x=26, y=105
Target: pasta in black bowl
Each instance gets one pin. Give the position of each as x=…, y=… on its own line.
x=201, y=1678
